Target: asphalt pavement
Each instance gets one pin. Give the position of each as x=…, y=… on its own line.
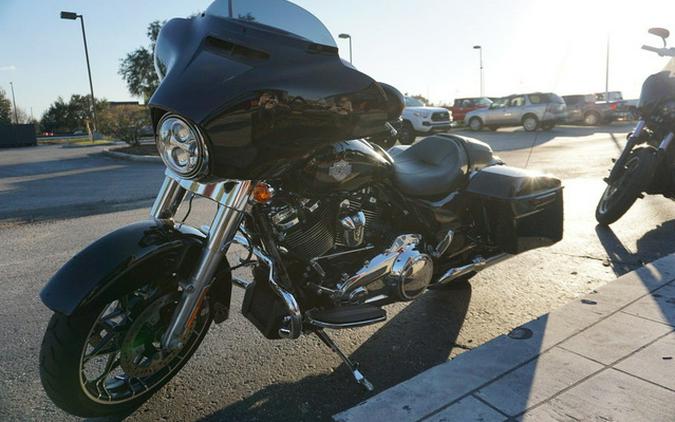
x=239, y=375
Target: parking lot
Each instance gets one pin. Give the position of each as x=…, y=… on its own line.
x=57, y=200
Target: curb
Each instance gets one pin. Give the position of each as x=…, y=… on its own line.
x=130, y=157
x=494, y=382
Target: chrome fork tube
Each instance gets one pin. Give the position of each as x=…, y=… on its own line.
x=221, y=232
x=169, y=198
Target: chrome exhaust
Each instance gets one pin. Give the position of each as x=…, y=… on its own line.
x=479, y=263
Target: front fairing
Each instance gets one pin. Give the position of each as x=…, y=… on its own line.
x=656, y=90
x=263, y=97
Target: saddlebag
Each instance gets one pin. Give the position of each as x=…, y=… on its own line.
x=519, y=210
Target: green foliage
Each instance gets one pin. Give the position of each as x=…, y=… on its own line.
x=124, y=122
x=422, y=98
x=5, y=108
x=137, y=68
x=67, y=117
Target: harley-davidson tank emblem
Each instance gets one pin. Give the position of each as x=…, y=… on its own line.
x=340, y=170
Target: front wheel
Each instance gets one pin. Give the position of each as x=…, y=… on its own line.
x=622, y=193
x=108, y=361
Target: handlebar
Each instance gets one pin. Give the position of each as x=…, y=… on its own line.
x=660, y=51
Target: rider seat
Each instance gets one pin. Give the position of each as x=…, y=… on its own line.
x=437, y=165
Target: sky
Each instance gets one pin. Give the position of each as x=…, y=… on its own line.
x=421, y=47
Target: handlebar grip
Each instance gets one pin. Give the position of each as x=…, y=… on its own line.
x=650, y=48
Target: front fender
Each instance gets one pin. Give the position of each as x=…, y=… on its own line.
x=98, y=274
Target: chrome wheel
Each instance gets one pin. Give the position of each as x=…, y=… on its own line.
x=122, y=358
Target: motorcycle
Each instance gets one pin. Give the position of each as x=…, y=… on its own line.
x=647, y=162
x=257, y=113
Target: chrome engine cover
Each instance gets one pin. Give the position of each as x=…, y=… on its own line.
x=401, y=271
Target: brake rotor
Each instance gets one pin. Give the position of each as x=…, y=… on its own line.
x=141, y=352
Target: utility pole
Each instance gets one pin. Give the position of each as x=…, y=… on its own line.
x=349, y=37
x=16, y=115
x=607, y=73
x=482, y=86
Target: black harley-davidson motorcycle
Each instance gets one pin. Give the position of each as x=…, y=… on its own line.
x=647, y=162
x=257, y=112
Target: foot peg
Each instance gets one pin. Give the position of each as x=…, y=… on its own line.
x=346, y=316
x=353, y=366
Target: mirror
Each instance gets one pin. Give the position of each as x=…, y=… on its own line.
x=660, y=32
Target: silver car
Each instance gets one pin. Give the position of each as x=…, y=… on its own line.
x=532, y=111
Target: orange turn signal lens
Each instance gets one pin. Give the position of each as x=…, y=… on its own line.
x=263, y=193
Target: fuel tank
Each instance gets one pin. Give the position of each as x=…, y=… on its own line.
x=344, y=167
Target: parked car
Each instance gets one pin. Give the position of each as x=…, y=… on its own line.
x=461, y=106
x=623, y=109
x=585, y=109
x=532, y=111
x=419, y=119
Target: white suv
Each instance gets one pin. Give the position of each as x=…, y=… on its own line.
x=419, y=119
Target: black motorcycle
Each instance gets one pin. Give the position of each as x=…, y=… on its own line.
x=647, y=163
x=257, y=112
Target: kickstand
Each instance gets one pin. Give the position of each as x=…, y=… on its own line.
x=353, y=366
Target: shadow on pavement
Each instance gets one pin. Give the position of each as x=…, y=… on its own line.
x=654, y=244
x=431, y=325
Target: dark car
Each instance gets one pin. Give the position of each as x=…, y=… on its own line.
x=585, y=109
x=461, y=106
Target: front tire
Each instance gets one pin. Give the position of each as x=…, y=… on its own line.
x=622, y=193
x=77, y=346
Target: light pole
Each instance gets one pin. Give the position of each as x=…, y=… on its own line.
x=480, y=52
x=607, y=73
x=345, y=36
x=73, y=16
x=16, y=115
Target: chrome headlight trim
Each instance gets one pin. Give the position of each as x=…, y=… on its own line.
x=182, y=147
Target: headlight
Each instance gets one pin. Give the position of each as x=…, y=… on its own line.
x=182, y=147
x=422, y=114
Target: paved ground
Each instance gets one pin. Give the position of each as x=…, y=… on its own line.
x=50, y=181
x=607, y=357
x=237, y=374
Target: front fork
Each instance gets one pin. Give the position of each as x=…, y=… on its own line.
x=633, y=140
x=232, y=197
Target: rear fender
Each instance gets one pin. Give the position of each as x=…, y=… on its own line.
x=126, y=259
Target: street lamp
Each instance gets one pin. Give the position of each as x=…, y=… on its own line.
x=73, y=16
x=345, y=36
x=480, y=51
x=16, y=115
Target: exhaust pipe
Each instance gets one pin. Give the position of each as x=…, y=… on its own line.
x=479, y=263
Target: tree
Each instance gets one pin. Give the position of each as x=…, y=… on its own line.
x=125, y=122
x=423, y=99
x=138, y=69
x=67, y=117
x=5, y=108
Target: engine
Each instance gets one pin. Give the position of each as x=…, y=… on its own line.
x=346, y=246
x=310, y=228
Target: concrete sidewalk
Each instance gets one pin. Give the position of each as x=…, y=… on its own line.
x=607, y=357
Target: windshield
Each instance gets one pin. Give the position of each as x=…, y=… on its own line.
x=670, y=67
x=279, y=14
x=413, y=102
